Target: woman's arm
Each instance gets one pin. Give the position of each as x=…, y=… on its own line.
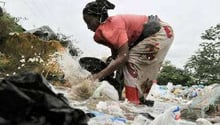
x=114, y=53
x=120, y=60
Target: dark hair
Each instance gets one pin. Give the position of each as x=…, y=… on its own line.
x=98, y=8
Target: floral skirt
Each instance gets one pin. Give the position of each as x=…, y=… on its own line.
x=146, y=58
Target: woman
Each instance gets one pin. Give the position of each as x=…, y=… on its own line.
x=138, y=44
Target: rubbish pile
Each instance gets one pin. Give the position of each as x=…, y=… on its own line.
x=41, y=102
x=103, y=102
x=176, y=100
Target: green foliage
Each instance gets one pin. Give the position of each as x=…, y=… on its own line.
x=8, y=24
x=213, y=33
x=170, y=73
x=205, y=64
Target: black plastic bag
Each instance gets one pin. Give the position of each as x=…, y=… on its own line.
x=27, y=99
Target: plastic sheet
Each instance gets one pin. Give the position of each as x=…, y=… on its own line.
x=106, y=89
x=112, y=108
x=105, y=119
x=204, y=104
x=169, y=117
x=202, y=121
x=28, y=99
x=141, y=120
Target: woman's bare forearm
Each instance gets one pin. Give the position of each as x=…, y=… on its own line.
x=120, y=60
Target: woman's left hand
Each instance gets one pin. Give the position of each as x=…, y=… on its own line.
x=94, y=77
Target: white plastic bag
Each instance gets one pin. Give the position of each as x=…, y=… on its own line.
x=106, y=89
x=170, y=86
x=169, y=117
x=141, y=120
x=154, y=92
x=202, y=121
x=110, y=107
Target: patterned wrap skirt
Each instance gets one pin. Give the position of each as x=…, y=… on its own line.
x=146, y=58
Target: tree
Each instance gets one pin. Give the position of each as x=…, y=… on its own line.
x=170, y=73
x=205, y=64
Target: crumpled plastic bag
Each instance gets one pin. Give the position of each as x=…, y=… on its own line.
x=141, y=120
x=110, y=107
x=169, y=117
x=106, y=89
x=202, y=121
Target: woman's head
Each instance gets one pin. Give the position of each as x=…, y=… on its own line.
x=96, y=12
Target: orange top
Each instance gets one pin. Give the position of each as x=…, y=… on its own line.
x=117, y=30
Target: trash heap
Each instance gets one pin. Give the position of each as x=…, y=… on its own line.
x=172, y=104
x=180, y=102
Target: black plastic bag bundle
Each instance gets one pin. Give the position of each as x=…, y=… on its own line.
x=27, y=99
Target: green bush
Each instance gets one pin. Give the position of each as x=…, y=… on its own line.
x=8, y=24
